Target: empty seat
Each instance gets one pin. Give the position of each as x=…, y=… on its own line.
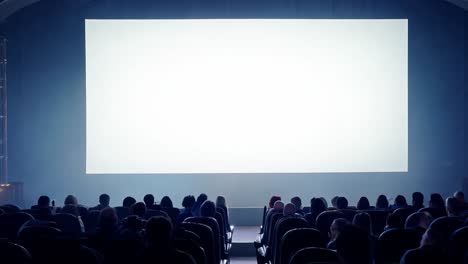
x=121, y=212
x=69, y=225
x=312, y=255
x=91, y=221
x=207, y=239
x=11, y=223
x=405, y=212
x=394, y=243
x=213, y=224
x=297, y=239
x=458, y=246
x=282, y=226
x=379, y=219
x=192, y=248
x=150, y=213
x=14, y=253
x=434, y=212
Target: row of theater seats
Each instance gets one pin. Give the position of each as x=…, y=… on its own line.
x=292, y=239
x=67, y=238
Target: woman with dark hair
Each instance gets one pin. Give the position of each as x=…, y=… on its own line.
x=166, y=202
x=363, y=203
x=317, y=206
x=166, y=206
x=272, y=201
x=196, y=207
x=400, y=202
x=436, y=201
x=382, y=202
x=222, y=204
x=187, y=203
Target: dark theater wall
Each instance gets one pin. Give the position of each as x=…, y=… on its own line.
x=46, y=85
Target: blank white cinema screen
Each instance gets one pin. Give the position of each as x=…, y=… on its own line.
x=246, y=96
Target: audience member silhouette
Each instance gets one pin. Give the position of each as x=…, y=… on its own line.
x=429, y=252
x=353, y=245
x=42, y=211
x=71, y=200
x=363, y=204
x=273, y=200
x=166, y=202
x=128, y=201
x=418, y=200
x=333, y=201
x=316, y=207
x=277, y=208
x=186, y=212
x=104, y=201
x=363, y=221
x=324, y=201
x=436, y=201
x=106, y=231
x=148, y=199
x=289, y=209
x=43, y=202
x=296, y=200
x=394, y=221
x=460, y=196
x=196, y=207
x=208, y=209
x=138, y=209
x=221, y=203
x=70, y=209
x=157, y=244
x=167, y=206
x=453, y=206
x=382, y=202
x=342, y=203
x=335, y=228
x=400, y=202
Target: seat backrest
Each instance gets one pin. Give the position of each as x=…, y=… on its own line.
x=222, y=228
x=263, y=219
x=348, y=213
x=311, y=255
x=207, y=239
x=11, y=223
x=213, y=224
x=172, y=213
x=10, y=208
x=445, y=226
x=297, y=239
x=14, y=253
x=83, y=211
x=224, y=211
x=434, y=212
x=270, y=228
x=91, y=221
x=395, y=242
x=378, y=219
x=325, y=219
x=223, y=216
x=405, y=212
x=121, y=212
x=458, y=246
x=150, y=213
x=68, y=224
x=181, y=233
x=192, y=248
x=282, y=226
